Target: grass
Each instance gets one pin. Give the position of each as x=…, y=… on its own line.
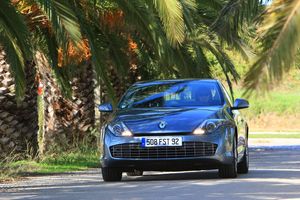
x=276, y=135
x=278, y=109
x=278, y=102
x=50, y=164
x=283, y=99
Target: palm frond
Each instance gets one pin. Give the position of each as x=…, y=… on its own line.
x=216, y=5
x=62, y=74
x=99, y=64
x=209, y=42
x=232, y=24
x=143, y=22
x=189, y=4
x=202, y=62
x=62, y=18
x=14, y=25
x=14, y=37
x=45, y=43
x=118, y=46
x=279, y=36
x=16, y=62
x=202, y=66
x=95, y=36
x=171, y=14
x=236, y=13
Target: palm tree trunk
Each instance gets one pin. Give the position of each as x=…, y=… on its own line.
x=67, y=122
x=77, y=115
x=18, y=122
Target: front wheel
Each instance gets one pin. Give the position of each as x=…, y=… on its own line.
x=111, y=174
x=230, y=171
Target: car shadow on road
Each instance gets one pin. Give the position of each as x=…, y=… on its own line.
x=213, y=174
x=173, y=176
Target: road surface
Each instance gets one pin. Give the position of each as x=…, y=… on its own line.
x=275, y=174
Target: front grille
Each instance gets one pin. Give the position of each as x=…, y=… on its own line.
x=162, y=134
x=188, y=149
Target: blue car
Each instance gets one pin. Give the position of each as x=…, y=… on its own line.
x=172, y=125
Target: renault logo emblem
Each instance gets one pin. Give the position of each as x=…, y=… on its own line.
x=162, y=124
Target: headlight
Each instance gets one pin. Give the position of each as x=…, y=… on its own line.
x=119, y=129
x=209, y=126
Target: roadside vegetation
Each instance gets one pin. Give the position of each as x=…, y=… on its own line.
x=80, y=158
x=275, y=135
x=277, y=109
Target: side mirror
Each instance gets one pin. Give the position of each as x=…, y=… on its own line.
x=240, y=104
x=106, y=107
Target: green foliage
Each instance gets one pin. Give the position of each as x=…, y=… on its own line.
x=63, y=19
x=14, y=28
x=74, y=160
x=172, y=37
x=171, y=14
x=231, y=21
x=14, y=38
x=282, y=103
x=77, y=159
x=282, y=100
x=279, y=36
x=276, y=136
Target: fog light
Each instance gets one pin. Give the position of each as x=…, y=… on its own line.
x=210, y=126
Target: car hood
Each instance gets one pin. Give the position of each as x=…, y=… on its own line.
x=177, y=120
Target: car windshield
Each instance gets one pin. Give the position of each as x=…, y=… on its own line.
x=174, y=94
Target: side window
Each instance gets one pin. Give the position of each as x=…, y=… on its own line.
x=227, y=97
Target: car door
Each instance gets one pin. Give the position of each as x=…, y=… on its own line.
x=241, y=128
x=239, y=122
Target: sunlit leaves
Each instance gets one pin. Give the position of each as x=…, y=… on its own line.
x=170, y=12
x=279, y=36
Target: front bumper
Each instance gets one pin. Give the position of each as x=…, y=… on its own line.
x=223, y=138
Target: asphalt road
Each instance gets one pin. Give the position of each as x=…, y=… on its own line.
x=275, y=174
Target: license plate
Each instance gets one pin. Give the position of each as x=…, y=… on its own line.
x=161, y=141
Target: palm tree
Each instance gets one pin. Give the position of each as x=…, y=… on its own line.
x=68, y=97
x=278, y=38
x=209, y=28
x=18, y=120
x=150, y=24
x=172, y=39
x=18, y=111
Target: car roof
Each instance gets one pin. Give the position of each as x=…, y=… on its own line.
x=157, y=82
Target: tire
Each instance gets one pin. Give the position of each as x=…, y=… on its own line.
x=230, y=171
x=135, y=173
x=111, y=174
x=243, y=166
